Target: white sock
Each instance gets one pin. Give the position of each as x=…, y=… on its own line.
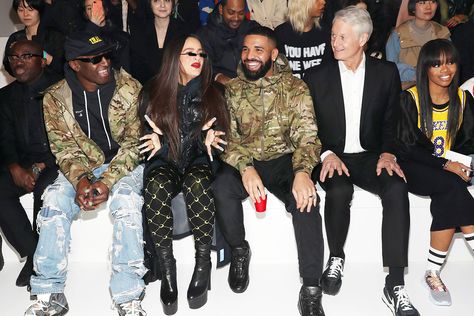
x=436, y=259
x=470, y=240
x=44, y=297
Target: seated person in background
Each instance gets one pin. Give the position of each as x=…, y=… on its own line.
x=463, y=39
x=27, y=162
x=276, y=148
x=30, y=12
x=354, y=99
x=93, y=128
x=269, y=13
x=151, y=37
x=437, y=116
x=302, y=39
x=406, y=40
x=223, y=36
x=99, y=23
x=182, y=102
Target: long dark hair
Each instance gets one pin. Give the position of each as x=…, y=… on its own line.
x=163, y=91
x=437, y=52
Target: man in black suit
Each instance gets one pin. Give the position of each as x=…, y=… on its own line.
x=27, y=163
x=354, y=98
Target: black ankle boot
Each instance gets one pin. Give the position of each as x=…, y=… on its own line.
x=169, y=288
x=309, y=303
x=25, y=273
x=2, y=262
x=239, y=268
x=201, y=280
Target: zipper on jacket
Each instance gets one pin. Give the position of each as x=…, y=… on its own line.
x=263, y=125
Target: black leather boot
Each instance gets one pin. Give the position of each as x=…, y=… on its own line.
x=239, y=268
x=25, y=273
x=201, y=280
x=2, y=262
x=309, y=303
x=169, y=288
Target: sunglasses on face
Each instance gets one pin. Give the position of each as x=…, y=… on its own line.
x=96, y=59
x=22, y=57
x=192, y=54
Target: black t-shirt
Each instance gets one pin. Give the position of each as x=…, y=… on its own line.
x=303, y=50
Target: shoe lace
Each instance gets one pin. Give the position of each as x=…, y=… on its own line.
x=312, y=303
x=335, y=267
x=39, y=305
x=434, y=282
x=401, y=298
x=133, y=308
x=239, y=264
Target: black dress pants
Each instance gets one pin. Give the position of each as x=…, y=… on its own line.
x=277, y=176
x=13, y=219
x=394, y=195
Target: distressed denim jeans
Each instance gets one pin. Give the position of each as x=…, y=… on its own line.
x=54, y=224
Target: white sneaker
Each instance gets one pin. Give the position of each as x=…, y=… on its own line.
x=439, y=293
x=54, y=304
x=132, y=308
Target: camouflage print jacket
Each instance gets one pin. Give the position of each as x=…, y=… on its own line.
x=271, y=117
x=76, y=154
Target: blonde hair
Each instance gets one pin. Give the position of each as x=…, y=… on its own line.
x=298, y=14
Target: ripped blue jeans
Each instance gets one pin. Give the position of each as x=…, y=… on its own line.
x=54, y=224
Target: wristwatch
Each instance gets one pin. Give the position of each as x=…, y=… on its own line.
x=36, y=170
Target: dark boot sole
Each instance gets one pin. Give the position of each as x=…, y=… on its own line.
x=240, y=289
x=198, y=302
x=170, y=309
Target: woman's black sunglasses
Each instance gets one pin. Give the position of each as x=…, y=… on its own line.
x=191, y=54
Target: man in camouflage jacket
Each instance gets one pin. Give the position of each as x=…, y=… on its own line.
x=93, y=129
x=273, y=143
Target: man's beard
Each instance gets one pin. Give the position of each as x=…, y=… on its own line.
x=260, y=73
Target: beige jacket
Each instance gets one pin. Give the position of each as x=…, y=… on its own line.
x=269, y=13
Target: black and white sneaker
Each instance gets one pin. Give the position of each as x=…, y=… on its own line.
x=399, y=302
x=132, y=308
x=331, y=280
x=55, y=304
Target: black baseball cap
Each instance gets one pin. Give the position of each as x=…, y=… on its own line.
x=84, y=43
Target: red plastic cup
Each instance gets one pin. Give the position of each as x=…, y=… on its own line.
x=262, y=205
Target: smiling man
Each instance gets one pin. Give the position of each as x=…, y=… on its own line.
x=273, y=144
x=355, y=98
x=93, y=129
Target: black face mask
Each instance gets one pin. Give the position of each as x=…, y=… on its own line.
x=255, y=75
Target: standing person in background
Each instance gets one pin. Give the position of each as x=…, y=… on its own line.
x=152, y=37
x=183, y=104
x=30, y=12
x=223, y=36
x=463, y=39
x=355, y=98
x=436, y=117
x=269, y=13
x=405, y=42
x=303, y=41
x=27, y=162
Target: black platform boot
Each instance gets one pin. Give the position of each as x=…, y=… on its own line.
x=201, y=280
x=169, y=289
x=2, y=262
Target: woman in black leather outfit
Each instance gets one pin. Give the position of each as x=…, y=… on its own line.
x=183, y=105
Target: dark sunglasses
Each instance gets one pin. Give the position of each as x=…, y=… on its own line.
x=96, y=59
x=23, y=57
x=191, y=54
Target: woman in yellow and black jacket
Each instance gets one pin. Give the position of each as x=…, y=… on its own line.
x=435, y=117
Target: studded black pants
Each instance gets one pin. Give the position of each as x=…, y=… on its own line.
x=161, y=185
